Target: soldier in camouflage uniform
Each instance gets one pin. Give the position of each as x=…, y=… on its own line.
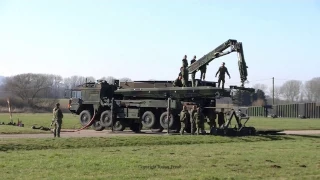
x=185, y=61
x=193, y=122
x=203, y=70
x=193, y=75
x=223, y=70
x=185, y=74
x=184, y=71
x=57, y=120
x=221, y=117
x=177, y=82
x=199, y=118
x=184, y=119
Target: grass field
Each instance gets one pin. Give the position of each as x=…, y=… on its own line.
x=71, y=122
x=166, y=157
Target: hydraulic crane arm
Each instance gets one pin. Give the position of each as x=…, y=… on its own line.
x=218, y=52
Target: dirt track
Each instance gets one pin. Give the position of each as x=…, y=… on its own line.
x=107, y=133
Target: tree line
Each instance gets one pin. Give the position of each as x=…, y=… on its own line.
x=291, y=91
x=39, y=90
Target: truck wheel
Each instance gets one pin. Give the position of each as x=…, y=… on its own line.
x=85, y=117
x=136, y=127
x=97, y=126
x=106, y=119
x=164, y=121
x=148, y=119
x=119, y=125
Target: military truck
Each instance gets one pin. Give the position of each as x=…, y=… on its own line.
x=145, y=103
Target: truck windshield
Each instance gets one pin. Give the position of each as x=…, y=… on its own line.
x=76, y=94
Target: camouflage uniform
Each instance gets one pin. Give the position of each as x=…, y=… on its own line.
x=184, y=119
x=177, y=82
x=185, y=62
x=223, y=70
x=57, y=120
x=203, y=71
x=193, y=75
x=193, y=122
x=184, y=73
x=199, y=118
x=221, y=120
x=212, y=119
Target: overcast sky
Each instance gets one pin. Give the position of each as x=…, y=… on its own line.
x=147, y=39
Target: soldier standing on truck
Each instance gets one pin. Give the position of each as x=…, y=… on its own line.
x=199, y=118
x=203, y=70
x=184, y=119
x=184, y=73
x=185, y=61
x=57, y=120
x=223, y=70
x=193, y=75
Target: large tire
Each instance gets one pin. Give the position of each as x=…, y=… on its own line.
x=164, y=122
x=148, y=119
x=85, y=117
x=97, y=126
x=118, y=125
x=106, y=119
x=136, y=127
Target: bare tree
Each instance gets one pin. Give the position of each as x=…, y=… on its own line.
x=109, y=79
x=74, y=81
x=125, y=79
x=291, y=90
x=312, y=90
x=277, y=92
x=262, y=87
x=29, y=87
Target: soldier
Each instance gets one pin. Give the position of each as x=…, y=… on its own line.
x=193, y=75
x=223, y=70
x=203, y=70
x=184, y=119
x=193, y=122
x=177, y=82
x=184, y=73
x=57, y=120
x=185, y=62
x=199, y=118
x=221, y=116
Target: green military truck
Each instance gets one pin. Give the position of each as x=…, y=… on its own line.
x=138, y=103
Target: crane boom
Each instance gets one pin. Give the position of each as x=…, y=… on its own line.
x=218, y=52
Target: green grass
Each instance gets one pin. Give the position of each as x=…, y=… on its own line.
x=166, y=157
x=72, y=122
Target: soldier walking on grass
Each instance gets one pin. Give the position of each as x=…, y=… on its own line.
x=57, y=120
x=222, y=71
x=184, y=119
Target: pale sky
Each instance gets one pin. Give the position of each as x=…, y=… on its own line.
x=147, y=39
